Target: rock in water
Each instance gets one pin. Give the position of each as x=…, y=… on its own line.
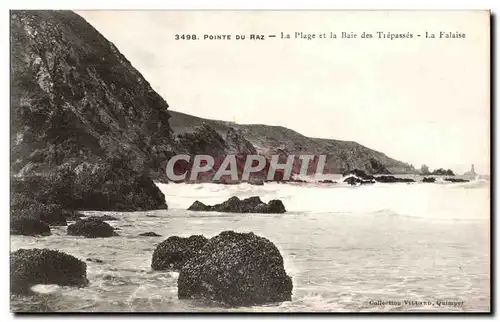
x=29, y=267
x=359, y=174
x=442, y=172
x=150, y=234
x=248, y=205
x=455, y=180
x=393, y=179
x=102, y=218
x=91, y=229
x=429, y=179
x=354, y=180
x=237, y=269
x=172, y=253
x=199, y=206
x=275, y=207
x=28, y=226
x=234, y=204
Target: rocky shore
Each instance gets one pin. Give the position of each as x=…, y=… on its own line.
x=235, y=269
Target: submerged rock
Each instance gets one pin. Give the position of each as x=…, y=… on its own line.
x=455, y=180
x=429, y=179
x=103, y=218
x=172, y=253
x=72, y=215
x=256, y=181
x=91, y=229
x=150, y=234
x=248, y=205
x=236, y=269
x=28, y=226
x=29, y=267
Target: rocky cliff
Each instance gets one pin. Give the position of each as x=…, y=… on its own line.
x=79, y=106
x=342, y=156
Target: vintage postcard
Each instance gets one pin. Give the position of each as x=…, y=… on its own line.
x=250, y=161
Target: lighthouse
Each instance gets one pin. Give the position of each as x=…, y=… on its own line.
x=472, y=172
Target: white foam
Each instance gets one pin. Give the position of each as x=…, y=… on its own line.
x=425, y=200
x=45, y=288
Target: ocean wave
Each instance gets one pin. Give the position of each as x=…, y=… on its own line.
x=468, y=200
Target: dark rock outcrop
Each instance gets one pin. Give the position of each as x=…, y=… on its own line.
x=326, y=181
x=87, y=130
x=150, y=234
x=360, y=174
x=376, y=167
x=442, y=172
x=455, y=180
x=357, y=176
x=95, y=260
x=29, y=267
x=248, y=205
x=28, y=226
x=22, y=206
x=429, y=179
x=392, y=179
x=199, y=206
x=109, y=189
x=352, y=180
x=275, y=207
x=110, y=185
x=174, y=252
x=91, y=229
x=236, y=269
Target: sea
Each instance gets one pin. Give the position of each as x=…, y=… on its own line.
x=386, y=247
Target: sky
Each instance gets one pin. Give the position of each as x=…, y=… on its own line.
x=419, y=100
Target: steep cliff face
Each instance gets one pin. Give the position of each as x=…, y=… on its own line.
x=342, y=156
x=75, y=98
x=79, y=109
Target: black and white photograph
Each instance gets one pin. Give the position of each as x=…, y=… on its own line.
x=250, y=161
